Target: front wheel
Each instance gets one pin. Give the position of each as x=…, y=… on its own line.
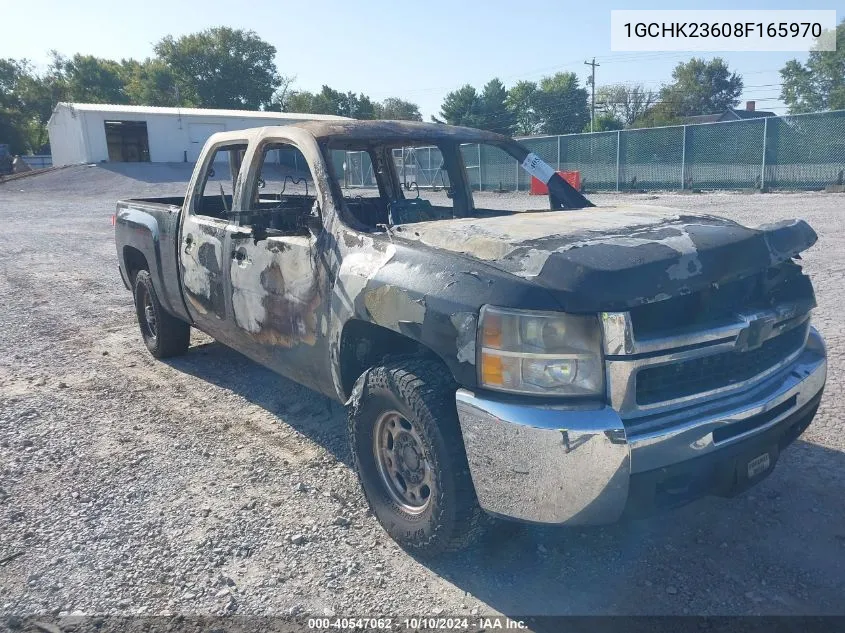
x=408, y=452
x=163, y=334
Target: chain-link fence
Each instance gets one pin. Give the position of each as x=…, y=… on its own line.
x=804, y=151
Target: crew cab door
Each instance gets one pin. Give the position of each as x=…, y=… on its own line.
x=277, y=281
x=205, y=231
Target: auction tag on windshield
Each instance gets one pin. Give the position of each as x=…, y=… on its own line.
x=538, y=168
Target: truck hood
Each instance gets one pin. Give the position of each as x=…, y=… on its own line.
x=615, y=258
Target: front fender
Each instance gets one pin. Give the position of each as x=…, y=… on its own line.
x=425, y=295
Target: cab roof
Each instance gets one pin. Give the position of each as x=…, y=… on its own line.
x=396, y=131
x=378, y=132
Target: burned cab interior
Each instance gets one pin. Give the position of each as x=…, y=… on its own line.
x=281, y=196
x=387, y=182
x=214, y=195
x=380, y=181
x=379, y=188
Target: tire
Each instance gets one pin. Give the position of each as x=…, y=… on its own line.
x=412, y=402
x=163, y=334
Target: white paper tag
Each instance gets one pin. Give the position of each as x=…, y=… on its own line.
x=538, y=168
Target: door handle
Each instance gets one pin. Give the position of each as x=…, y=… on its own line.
x=188, y=242
x=239, y=256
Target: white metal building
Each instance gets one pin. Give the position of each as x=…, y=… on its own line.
x=97, y=132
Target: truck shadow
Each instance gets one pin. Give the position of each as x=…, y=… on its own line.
x=774, y=550
x=308, y=412
x=777, y=549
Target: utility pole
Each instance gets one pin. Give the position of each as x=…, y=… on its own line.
x=593, y=86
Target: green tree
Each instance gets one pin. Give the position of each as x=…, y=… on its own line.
x=495, y=115
x=39, y=95
x=359, y=106
x=625, y=103
x=462, y=107
x=295, y=101
x=520, y=102
x=26, y=103
x=11, y=119
x=487, y=110
x=605, y=122
x=223, y=67
x=11, y=72
x=398, y=109
x=13, y=131
x=820, y=83
x=699, y=87
x=328, y=101
x=560, y=105
x=282, y=94
x=331, y=101
x=89, y=79
x=154, y=83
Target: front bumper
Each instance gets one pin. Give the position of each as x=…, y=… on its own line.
x=579, y=465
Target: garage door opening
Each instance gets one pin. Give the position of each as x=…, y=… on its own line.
x=128, y=141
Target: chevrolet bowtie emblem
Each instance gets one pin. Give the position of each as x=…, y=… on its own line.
x=753, y=335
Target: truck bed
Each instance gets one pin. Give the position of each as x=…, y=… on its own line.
x=147, y=230
x=174, y=201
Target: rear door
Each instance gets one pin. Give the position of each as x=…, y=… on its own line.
x=205, y=231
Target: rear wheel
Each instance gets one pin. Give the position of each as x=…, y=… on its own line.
x=163, y=334
x=409, y=454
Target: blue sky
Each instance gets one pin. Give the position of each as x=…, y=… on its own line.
x=414, y=50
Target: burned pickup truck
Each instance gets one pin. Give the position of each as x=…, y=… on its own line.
x=571, y=365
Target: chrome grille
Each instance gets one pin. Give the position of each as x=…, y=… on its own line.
x=706, y=373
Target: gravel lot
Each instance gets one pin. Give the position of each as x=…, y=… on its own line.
x=207, y=484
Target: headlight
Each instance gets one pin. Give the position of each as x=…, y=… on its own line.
x=549, y=353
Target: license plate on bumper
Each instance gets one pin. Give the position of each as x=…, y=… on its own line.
x=759, y=465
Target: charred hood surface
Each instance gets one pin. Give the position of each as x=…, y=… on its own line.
x=615, y=258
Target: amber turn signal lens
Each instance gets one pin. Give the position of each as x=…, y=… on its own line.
x=492, y=371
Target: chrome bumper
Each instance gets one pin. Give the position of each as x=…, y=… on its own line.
x=565, y=464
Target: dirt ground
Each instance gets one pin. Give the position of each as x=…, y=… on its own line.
x=207, y=484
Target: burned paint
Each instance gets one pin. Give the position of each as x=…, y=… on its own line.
x=275, y=291
x=357, y=268
x=390, y=306
x=466, y=327
x=781, y=237
x=202, y=267
x=677, y=239
x=610, y=259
